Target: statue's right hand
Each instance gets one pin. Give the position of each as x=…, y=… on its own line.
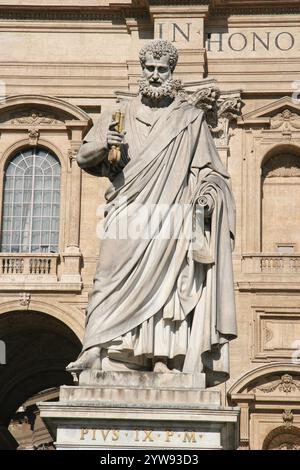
x=114, y=137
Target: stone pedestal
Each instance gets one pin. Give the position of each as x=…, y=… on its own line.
x=140, y=410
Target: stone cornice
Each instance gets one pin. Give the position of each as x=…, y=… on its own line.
x=178, y=2
x=255, y=3
x=179, y=10
x=67, y=15
x=266, y=10
x=70, y=4
x=108, y=10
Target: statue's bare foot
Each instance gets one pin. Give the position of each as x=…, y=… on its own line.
x=90, y=359
x=161, y=367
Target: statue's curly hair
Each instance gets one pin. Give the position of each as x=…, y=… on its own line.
x=157, y=48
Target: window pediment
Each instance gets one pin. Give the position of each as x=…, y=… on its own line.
x=38, y=110
x=278, y=114
x=275, y=379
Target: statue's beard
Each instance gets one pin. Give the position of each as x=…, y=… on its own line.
x=169, y=88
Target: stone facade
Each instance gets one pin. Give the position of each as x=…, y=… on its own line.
x=61, y=64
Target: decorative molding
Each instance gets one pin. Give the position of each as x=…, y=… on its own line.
x=275, y=332
x=268, y=335
x=41, y=104
x=240, y=388
x=33, y=117
x=273, y=111
x=288, y=418
x=178, y=2
x=273, y=262
x=205, y=98
x=72, y=15
x=33, y=136
x=286, y=384
x=284, y=165
x=286, y=121
x=220, y=109
x=25, y=299
x=72, y=154
x=258, y=10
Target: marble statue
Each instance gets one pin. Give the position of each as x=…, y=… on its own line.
x=161, y=301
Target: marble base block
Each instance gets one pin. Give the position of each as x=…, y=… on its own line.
x=140, y=410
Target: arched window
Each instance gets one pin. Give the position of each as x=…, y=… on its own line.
x=31, y=203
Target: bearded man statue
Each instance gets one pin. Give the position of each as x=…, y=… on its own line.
x=162, y=300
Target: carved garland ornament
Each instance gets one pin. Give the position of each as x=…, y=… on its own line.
x=286, y=120
x=33, y=117
x=286, y=384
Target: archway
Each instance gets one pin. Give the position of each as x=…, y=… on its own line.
x=268, y=397
x=38, y=348
x=283, y=438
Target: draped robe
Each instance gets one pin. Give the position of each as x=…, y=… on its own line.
x=155, y=295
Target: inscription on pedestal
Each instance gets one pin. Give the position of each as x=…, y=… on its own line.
x=157, y=438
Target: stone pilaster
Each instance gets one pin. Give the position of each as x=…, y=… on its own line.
x=72, y=254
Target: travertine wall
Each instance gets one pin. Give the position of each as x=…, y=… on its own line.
x=70, y=60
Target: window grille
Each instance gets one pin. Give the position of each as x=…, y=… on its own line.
x=31, y=203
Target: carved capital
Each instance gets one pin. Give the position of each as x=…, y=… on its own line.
x=220, y=109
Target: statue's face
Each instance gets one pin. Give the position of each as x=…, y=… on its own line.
x=157, y=71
